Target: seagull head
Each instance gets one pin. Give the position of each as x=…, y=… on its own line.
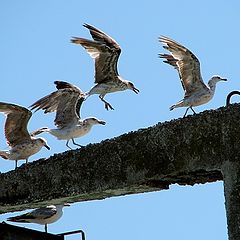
x=93, y=121
x=217, y=79
x=131, y=86
x=61, y=205
x=43, y=142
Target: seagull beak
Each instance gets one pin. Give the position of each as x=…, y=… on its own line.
x=101, y=122
x=224, y=79
x=135, y=90
x=46, y=146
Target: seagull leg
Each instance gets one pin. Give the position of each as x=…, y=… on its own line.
x=76, y=143
x=107, y=105
x=193, y=110
x=26, y=161
x=46, y=228
x=68, y=145
x=16, y=164
x=186, y=112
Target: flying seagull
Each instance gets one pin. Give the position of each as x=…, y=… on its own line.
x=188, y=67
x=43, y=215
x=106, y=51
x=66, y=101
x=22, y=144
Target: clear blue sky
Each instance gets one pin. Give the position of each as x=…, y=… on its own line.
x=36, y=50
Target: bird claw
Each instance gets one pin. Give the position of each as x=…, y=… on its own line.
x=107, y=106
x=77, y=144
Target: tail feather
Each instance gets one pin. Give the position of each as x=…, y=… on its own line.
x=16, y=219
x=4, y=154
x=39, y=131
x=172, y=107
x=13, y=219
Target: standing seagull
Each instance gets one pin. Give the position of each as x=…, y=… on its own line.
x=66, y=101
x=22, y=144
x=43, y=215
x=188, y=67
x=105, y=50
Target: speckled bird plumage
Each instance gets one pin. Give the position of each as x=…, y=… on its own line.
x=22, y=144
x=188, y=67
x=106, y=51
x=66, y=102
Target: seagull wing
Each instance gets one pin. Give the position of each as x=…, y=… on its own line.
x=64, y=102
x=37, y=214
x=78, y=106
x=62, y=85
x=186, y=63
x=105, y=50
x=16, y=123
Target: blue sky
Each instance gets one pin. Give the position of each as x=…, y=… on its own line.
x=36, y=50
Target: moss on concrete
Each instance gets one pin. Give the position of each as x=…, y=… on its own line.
x=185, y=151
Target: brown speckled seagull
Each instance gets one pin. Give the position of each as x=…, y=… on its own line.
x=66, y=102
x=106, y=51
x=188, y=67
x=22, y=144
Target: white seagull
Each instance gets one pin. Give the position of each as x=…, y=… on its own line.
x=188, y=67
x=66, y=101
x=106, y=51
x=43, y=215
x=22, y=144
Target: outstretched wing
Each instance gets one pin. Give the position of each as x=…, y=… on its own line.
x=62, y=85
x=186, y=63
x=64, y=102
x=37, y=214
x=16, y=123
x=105, y=50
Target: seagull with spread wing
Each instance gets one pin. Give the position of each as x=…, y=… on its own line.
x=66, y=102
x=106, y=51
x=22, y=144
x=188, y=67
x=43, y=215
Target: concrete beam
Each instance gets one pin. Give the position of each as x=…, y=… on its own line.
x=185, y=151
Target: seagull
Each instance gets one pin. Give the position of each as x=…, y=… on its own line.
x=22, y=144
x=66, y=101
x=106, y=51
x=43, y=215
x=188, y=67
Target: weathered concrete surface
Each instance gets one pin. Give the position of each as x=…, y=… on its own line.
x=184, y=151
x=10, y=232
x=231, y=176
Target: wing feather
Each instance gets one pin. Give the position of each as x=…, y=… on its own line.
x=16, y=123
x=63, y=102
x=105, y=50
x=39, y=214
x=186, y=63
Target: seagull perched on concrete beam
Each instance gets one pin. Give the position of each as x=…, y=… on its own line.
x=43, y=215
x=106, y=51
x=23, y=145
x=188, y=67
x=66, y=102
